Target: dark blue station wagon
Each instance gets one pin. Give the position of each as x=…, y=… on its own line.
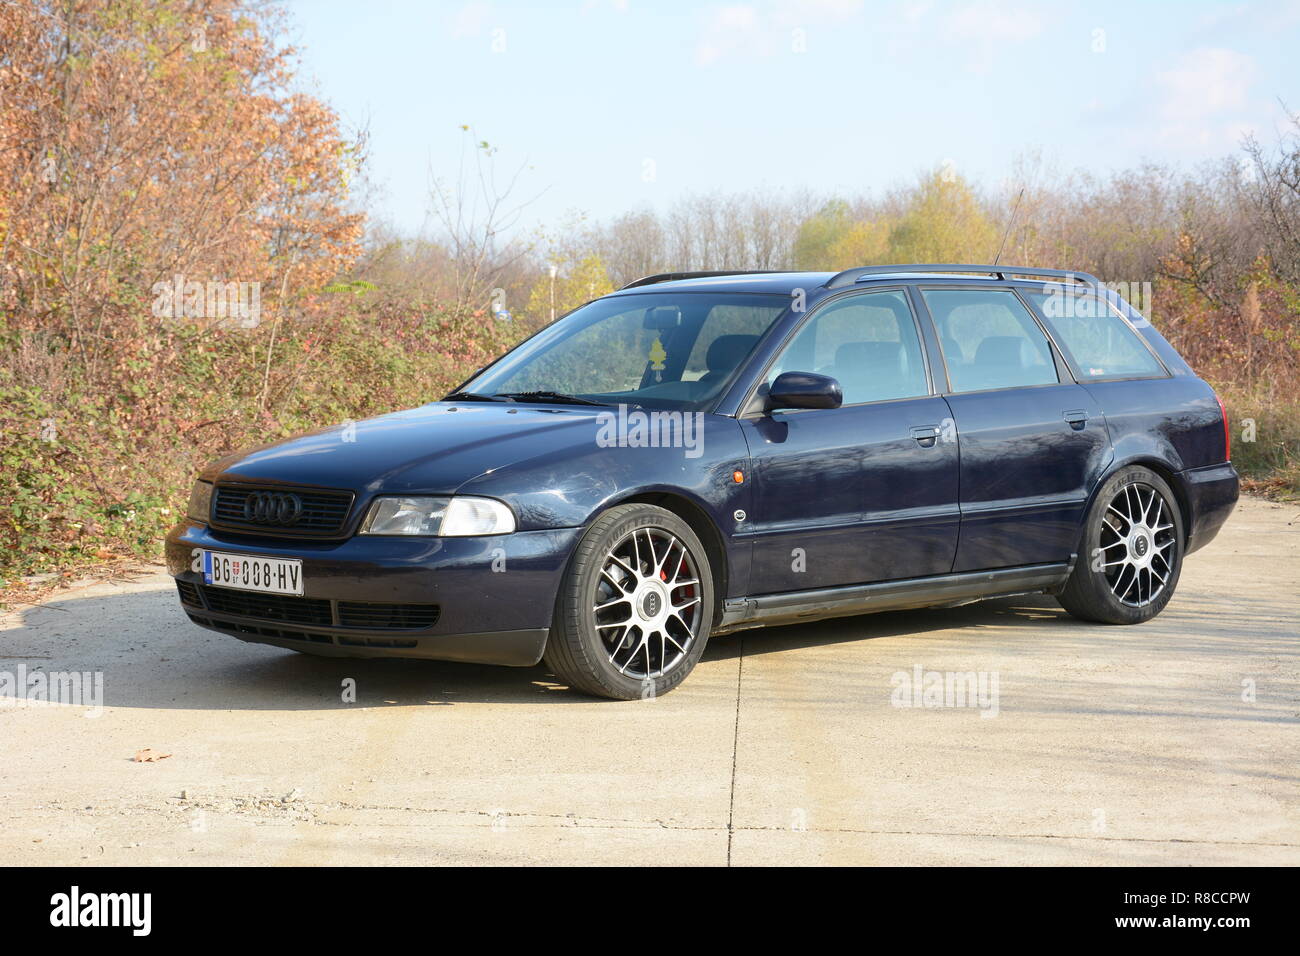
x=705, y=452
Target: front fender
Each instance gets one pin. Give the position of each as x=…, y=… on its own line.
x=567, y=487
x=568, y=490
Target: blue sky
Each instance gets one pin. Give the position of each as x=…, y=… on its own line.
x=623, y=104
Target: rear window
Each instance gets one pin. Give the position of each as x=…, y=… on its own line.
x=1099, y=341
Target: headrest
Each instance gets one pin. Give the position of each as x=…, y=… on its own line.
x=726, y=351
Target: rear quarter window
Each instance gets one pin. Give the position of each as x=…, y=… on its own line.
x=1095, y=337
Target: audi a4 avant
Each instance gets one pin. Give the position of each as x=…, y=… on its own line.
x=699, y=453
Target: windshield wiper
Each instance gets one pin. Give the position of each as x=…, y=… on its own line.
x=475, y=397
x=557, y=397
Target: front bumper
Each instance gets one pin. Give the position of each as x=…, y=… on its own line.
x=1212, y=493
x=495, y=595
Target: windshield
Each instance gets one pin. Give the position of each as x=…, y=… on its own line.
x=668, y=350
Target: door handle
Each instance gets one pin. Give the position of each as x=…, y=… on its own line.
x=1076, y=417
x=926, y=435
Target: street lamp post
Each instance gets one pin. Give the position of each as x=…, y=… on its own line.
x=554, y=269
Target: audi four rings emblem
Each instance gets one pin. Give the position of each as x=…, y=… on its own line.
x=272, y=507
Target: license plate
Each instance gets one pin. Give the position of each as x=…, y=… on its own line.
x=247, y=573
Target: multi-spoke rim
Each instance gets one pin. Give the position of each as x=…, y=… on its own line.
x=647, y=603
x=1138, y=545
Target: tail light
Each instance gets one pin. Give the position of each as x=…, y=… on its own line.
x=1227, y=434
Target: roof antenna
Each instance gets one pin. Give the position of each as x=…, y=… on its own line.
x=1010, y=223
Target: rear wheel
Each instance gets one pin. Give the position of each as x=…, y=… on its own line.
x=633, y=614
x=1131, y=556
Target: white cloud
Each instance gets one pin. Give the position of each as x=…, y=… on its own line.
x=988, y=20
x=1209, y=80
x=988, y=29
x=730, y=30
x=914, y=11
x=618, y=6
x=754, y=30
x=1206, y=97
x=471, y=19
x=1276, y=15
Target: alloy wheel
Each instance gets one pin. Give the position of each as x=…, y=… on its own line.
x=647, y=603
x=1137, y=544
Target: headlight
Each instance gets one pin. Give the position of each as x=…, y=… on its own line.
x=405, y=516
x=471, y=516
x=445, y=517
x=200, y=506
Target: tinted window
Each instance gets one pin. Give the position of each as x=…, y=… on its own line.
x=666, y=350
x=868, y=343
x=1101, y=343
x=989, y=339
x=726, y=328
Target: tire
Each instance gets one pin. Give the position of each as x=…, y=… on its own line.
x=1131, y=551
x=610, y=637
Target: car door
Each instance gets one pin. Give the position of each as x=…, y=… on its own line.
x=864, y=492
x=1033, y=442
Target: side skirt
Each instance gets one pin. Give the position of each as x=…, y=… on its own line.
x=939, y=590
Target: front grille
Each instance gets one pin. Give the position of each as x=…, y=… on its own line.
x=323, y=512
x=269, y=607
x=189, y=594
x=387, y=617
x=318, y=612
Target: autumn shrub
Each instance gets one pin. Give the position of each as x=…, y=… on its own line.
x=142, y=142
x=98, y=465
x=1265, y=439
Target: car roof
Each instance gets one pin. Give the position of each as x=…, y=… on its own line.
x=787, y=283
x=777, y=283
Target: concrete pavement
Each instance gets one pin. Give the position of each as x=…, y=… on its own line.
x=1176, y=742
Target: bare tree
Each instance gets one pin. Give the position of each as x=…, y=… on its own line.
x=1274, y=192
x=477, y=214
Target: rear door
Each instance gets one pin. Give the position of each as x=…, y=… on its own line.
x=1033, y=442
x=865, y=492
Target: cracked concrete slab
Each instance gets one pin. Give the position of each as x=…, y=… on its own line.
x=1173, y=742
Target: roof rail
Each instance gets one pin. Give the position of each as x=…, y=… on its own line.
x=850, y=276
x=674, y=276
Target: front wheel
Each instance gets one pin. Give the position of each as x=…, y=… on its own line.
x=1131, y=554
x=635, y=606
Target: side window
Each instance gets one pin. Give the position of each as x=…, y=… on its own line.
x=989, y=339
x=1101, y=343
x=867, y=342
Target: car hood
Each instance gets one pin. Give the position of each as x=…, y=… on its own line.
x=433, y=449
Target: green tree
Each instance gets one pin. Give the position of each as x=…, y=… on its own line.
x=864, y=244
x=943, y=222
x=819, y=233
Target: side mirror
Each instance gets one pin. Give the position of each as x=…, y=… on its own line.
x=804, y=390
